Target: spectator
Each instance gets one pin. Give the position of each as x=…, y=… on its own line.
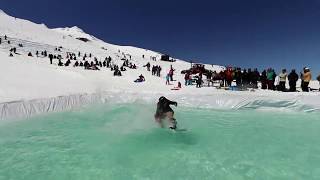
x=318, y=78
x=245, y=79
x=186, y=79
x=293, y=78
x=76, y=64
x=168, y=79
x=270, y=79
x=29, y=54
x=60, y=63
x=255, y=78
x=199, y=81
x=179, y=86
x=148, y=66
x=228, y=75
x=50, y=57
x=283, y=78
x=171, y=73
x=306, y=80
x=238, y=77
x=140, y=79
x=158, y=71
x=263, y=79
x=67, y=63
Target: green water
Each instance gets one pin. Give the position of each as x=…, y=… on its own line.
x=122, y=142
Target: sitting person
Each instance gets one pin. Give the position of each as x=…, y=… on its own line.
x=140, y=79
x=60, y=63
x=29, y=54
x=94, y=67
x=67, y=63
x=81, y=64
x=179, y=85
x=122, y=68
x=76, y=64
x=117, y=73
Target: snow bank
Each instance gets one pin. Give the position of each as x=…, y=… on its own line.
x=22, y=109
x=228, y=101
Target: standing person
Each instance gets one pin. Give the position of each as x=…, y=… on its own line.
x=186, y=79
x=245, y=79
x=167, y=79
x=171, y=73
x=238, y=77
x=159, y=71
x=255, y=78
x=283, y=79
x=229, y=76
x=164, y=111
x=318, y=78
x=306, y=80
x=148, y=66
x=293, y=78
x=263, y=79
x=199, y=81
x=270, y=79
x=250, y=78
x=50, y=57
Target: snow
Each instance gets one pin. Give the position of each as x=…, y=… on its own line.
x=30, y=85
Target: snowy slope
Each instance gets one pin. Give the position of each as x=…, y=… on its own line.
x=42, y=80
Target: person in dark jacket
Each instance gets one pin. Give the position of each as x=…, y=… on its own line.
x=238, y=77
x=245, y=79
x=164, y=111
x=293, y=78
x=255, y=78
x=51, y=58
x=263, y=79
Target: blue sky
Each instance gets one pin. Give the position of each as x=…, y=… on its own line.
x=246, y=33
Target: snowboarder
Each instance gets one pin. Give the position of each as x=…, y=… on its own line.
x=164, y=111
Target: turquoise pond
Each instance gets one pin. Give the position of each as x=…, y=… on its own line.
x=122, y=142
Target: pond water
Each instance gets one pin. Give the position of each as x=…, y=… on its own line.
x=122, y=141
